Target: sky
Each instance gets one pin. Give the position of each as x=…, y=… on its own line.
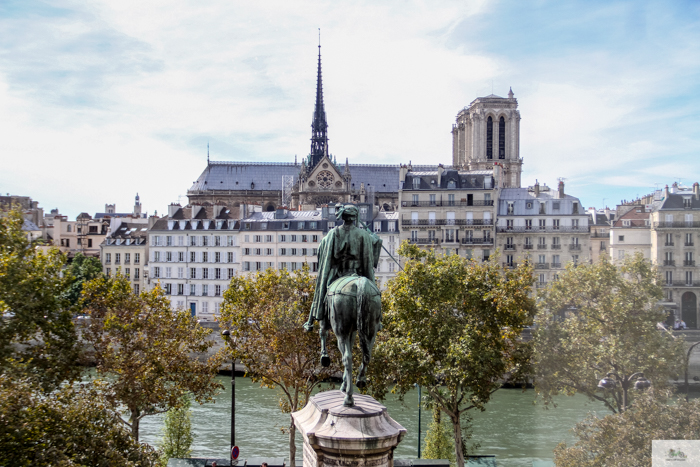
x=101, y=100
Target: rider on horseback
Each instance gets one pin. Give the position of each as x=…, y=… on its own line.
x=346, y=250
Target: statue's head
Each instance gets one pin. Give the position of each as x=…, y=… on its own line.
x=347, y=213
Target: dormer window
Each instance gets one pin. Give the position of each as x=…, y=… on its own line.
x=625, y=222
x=416, y=183
x=687, y=203
x=510, y=207
x=451, y=184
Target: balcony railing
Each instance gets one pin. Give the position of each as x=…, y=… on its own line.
x=540, y=285
x=528, y=246
x=477, y=241
x=689, y=262
x=682, y=284
x=424, y=241
x=541, y=246
x=509, y=247
x=689, y=244
x=510, y=265
x=541, y=265
x=677, y=225
x=599, y=235
x=423, y=222
x=537, y=228
x=556, y=265
x=669, y=262
x=669, y=244
x=556, y=246
x=575, y=246
x=443, y=203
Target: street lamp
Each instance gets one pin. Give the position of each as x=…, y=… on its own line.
x=625, y=381
x=231, y=342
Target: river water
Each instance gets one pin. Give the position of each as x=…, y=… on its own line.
x=512, y=427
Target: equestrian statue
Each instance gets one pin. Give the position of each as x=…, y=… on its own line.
x=347, y=299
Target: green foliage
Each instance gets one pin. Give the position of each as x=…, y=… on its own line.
x=177, y=432
x=610, y=326
x=80, y=270
x=36, y=325
x=453, y=326
x=146, y=350
x=439, y=443
x=265, y=313
x=624, y=439
x=72, y=426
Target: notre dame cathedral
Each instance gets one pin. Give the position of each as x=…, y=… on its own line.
x=487, y=132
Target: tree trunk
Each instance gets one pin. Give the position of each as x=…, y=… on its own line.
x=459, y=451
x=135, y=413
x=292, y=445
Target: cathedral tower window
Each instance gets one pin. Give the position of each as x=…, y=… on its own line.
x=489, y=138
x=502, y=138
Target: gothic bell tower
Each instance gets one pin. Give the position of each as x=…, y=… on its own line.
x=488, y=132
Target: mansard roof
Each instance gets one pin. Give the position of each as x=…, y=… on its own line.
x=241, y=176
x=675, y=201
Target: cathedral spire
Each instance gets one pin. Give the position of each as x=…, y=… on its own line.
x=319, y=136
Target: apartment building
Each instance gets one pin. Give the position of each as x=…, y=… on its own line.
x=125, y=251
x=600, y=223
x=544, y=226
x=675, y=239
x=193, y=254
x=449, y=210
x=386, y=226
x=282, y=239
x=631, y=233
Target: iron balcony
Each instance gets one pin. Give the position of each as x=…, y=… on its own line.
x=425, y=204
x=677, y=225
x=537, y=228
x=420, y=222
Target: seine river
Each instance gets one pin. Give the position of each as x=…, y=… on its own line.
x=512, y=427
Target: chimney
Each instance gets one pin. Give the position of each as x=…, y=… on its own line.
x=561, y=188
x=696, y=190
x=537, y=189
x=666, y=192
x=243, y=211
x=172, y=209
x=440, y=170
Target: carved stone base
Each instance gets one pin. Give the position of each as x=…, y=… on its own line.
x=338, y=436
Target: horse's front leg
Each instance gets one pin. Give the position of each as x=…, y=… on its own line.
x=323, y=332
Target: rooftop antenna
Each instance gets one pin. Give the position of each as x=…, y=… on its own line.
x=207, y=152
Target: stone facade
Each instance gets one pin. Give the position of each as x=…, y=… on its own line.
x=547, y=227
x=449, y=210
x=125, y=251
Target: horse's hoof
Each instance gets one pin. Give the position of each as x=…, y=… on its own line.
x=349, y=401
x=361, y=384
x=325, y=361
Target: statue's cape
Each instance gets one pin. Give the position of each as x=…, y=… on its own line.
x=369, y=246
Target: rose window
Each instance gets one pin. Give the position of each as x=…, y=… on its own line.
x=324, y=179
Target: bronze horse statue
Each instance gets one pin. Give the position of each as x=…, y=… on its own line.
x=354, y=308
x=347, y=299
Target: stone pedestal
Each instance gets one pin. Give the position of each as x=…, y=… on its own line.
x=337, y=436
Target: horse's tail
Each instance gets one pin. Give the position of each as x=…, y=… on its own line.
x=363, y=317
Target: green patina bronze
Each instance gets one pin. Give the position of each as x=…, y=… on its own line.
x=347, y=299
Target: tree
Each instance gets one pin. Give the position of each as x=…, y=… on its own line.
x=438, y=442
x=625, y=438
x=80, y=270
x=146, y=350
x=265, y=314
x=453, y=326
x=72, y=426
x=599, y=319
x=35, y=322
x=177, y=432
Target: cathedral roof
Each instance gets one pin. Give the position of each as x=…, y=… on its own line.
x=241, y=176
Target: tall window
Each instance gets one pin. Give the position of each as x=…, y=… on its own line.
x=489, y=138
x=502, y=138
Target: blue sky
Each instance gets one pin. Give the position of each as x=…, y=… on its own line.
x=100, y=100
